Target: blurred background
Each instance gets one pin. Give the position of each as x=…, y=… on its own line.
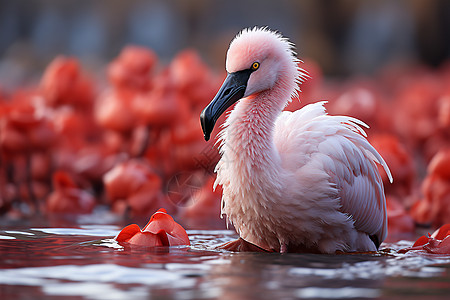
x=344, y=36
x=100, y=100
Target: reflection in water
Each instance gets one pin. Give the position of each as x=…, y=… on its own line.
x=86, y=262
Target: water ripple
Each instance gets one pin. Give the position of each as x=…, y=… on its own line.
x=412, y=266
x=338, y=293
x=87, y=262
x=89, y=273
x=87, y=231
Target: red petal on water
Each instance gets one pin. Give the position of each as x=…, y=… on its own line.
x=132, y=234
x=176, y=234
x=421, y=241
x=160, y=220
x=161, y=230
x=445, y=245
x=147, y=239
x=163, y=210
x=438, y=247
x=442, y=232
x=164, y=238
x=437, y=243
x=127, y=233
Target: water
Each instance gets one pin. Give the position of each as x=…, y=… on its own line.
x=84, y=262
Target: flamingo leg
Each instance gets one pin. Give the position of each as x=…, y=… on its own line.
x=241, y=245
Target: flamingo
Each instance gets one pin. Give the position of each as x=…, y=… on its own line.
x=301, y=181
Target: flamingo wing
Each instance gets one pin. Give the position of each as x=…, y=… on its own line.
x=360, y=188
x=339, y=143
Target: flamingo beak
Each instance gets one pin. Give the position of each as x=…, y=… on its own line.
x=232, y=89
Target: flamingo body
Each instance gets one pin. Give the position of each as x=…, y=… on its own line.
x=300, y=181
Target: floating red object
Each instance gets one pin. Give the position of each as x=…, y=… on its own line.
x=437, y=243
x=161, y=230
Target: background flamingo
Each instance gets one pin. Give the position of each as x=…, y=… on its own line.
x=302, y=181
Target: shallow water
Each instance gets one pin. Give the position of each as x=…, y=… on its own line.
x=84, y=262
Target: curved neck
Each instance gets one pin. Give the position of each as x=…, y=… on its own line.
x=249, y=130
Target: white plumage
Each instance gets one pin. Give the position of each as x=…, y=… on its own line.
x=300, y=181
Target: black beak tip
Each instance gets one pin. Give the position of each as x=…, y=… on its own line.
x=203, y=121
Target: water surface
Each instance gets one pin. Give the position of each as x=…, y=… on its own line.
x=84, y=262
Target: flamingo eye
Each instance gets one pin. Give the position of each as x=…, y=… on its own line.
x=255, y=66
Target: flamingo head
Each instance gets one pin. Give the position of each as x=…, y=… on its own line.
x=258, y=60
